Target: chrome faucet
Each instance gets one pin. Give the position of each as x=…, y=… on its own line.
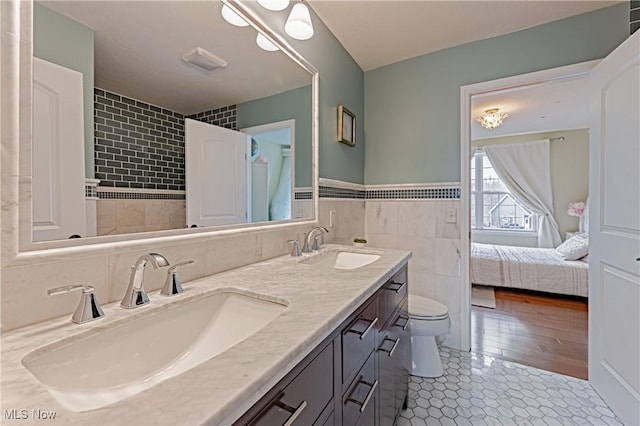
x=135, y=295
x=310, y=243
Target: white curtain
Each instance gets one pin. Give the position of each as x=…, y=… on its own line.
x=281, y=203
x=525, y=170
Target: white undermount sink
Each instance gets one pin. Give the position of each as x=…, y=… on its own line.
x=127, y=359
x=342, y=259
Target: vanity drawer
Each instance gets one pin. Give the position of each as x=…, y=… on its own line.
x=358, y=341
x=305, y=397
x=394, y=292
x=360, y=400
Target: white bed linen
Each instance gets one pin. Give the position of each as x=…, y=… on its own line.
x=540, y=269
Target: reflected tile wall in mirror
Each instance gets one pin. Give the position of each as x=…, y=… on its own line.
x=138, y=91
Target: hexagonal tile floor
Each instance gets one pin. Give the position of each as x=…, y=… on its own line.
x=478, y=389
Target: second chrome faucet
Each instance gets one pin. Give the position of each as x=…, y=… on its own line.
x=135, y=295
x=313, y=244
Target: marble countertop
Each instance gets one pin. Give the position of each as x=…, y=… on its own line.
x=221, y=389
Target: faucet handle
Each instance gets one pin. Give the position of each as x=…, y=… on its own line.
x=295, y=248
x=316, y=242
x=88, y=309
x=172, y=284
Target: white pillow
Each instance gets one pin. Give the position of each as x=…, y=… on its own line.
x=574, y=248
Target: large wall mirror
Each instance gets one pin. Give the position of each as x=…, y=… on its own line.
x=160, y=115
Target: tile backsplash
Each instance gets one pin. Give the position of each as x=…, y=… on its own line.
x=418, y=225
x=435, y=268
x=224, y=117
x=139, y=145
x=24, y=285
x=407, y=217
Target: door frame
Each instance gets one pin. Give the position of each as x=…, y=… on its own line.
x=276, y=125
x=582, y=69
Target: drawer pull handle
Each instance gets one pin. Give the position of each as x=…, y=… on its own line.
x=363, y=404
x=397, y=289
x=405, y=325
x=364, y=333
x=295, y=412
x=393, y=348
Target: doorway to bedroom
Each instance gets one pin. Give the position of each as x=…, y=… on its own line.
x=528, y=180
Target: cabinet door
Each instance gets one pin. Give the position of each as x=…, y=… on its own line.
x=394, y=291
x=403, y=356
x=358, y=341
x=387, y=375
x=360, y=400
x=302, y=400
x=330, y=420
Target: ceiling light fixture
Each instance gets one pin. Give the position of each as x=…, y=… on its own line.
x=275, y=5
x=232, y=17
x=299, y=24
x=204, y=59
x=265, y=43
x=492, y=118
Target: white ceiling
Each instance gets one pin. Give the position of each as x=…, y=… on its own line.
x=139, y=44
x=552, y=106
x=381, y=32
x=139, y=47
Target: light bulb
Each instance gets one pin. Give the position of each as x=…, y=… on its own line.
x=265, y=43
x=232, y=17
x=299, y=24
x=274, y=5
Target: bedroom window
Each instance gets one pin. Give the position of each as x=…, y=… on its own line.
x=493, y=207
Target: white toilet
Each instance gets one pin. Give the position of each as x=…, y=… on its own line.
x=428, y=320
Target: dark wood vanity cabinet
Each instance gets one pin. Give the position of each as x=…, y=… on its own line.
x=301, y=397
x=393, y=365
x=359, y=375
x=393, y=348
x=358, y=342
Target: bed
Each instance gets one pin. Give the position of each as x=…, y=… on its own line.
x=540, y=269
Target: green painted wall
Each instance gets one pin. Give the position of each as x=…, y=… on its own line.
x=293, y=104
x=341, y=83
x=68, y=43
x=412, y=107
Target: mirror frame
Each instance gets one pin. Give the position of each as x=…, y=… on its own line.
x=16, y=53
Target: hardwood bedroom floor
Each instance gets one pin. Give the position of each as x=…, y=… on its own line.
x=535, y=329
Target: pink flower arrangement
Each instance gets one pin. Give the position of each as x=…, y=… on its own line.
x=576, y=208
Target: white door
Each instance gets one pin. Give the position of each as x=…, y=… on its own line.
x=58, y=152
x=216, y=174
x=614, y=229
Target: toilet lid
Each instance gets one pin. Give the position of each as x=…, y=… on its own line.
x=422, y=307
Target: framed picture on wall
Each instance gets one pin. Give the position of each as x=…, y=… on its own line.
x=346, y=126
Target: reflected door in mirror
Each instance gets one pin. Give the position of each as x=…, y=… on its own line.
x=217, y=165
x=58, y=153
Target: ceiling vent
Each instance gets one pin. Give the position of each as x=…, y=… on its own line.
x=204, y=59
